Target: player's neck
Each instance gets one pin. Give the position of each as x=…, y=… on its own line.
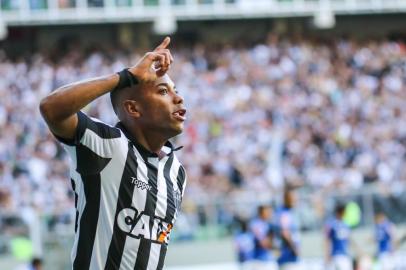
x=152, y=141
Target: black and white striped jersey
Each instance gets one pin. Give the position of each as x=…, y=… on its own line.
x=126, y=198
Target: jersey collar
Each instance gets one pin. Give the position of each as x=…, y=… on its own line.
x=168, y=148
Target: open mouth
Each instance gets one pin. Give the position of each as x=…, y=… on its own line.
x=180, y=115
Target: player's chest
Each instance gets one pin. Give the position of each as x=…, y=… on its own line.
x=153, y=182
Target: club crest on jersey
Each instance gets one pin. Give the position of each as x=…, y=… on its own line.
x=138, y=225
x=140, y=184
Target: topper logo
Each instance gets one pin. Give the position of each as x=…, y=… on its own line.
x=140, y=184
x=138, y=225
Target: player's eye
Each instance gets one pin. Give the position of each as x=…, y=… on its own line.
x=163, y=91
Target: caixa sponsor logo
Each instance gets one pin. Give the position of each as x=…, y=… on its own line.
x=138, y=225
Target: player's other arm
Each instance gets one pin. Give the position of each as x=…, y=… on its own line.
x=60, y=107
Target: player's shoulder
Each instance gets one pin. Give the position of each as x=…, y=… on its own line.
x=100, y=128
x=105, y=124
x=283, y=212
x=255, y=221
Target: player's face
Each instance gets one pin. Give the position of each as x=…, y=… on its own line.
x=379, y=218
x=162, y=107
x=266, y=213
x=340, y=214
x=290, y=199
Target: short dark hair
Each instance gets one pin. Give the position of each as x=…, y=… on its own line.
x=114, y=98
x=261, y=208
x=36, y=262
x=116, y=94
x=339, y=209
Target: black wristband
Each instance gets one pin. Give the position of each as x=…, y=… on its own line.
x=127, y=79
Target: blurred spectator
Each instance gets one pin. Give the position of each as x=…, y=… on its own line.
x=9, y=4
x=384, y=234
x=263, y=233
x=38, y=4
x=289, y=230
x=338, y=239
x=95, y=3
x=67, y=3
x=245, y=247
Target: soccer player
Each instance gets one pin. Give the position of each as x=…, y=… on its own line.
x=245, y=246
x=384, y=239
x=262, y=230
x=338, y=237
x=127, y=180
x=289, y=232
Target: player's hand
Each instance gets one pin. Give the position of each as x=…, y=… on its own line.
x=154, y=64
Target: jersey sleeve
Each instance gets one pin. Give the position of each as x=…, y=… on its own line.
x=94, y=143
x=94, y=127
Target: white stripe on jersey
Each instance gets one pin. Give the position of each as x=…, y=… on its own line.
x=174, y=177
x=105, y=148
x=130, y=253
x=174, y=172
x=108, y=204
x=160, y=209
x=154, y=256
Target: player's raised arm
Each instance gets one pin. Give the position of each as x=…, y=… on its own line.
x=60, y=107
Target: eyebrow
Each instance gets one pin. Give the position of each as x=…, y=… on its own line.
x=166, y=85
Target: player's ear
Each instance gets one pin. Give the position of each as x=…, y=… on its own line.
x=132, y=108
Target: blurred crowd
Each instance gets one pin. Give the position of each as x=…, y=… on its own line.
x=324, y=116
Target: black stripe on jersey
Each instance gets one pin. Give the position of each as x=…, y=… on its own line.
x=76, y=204
x=181, y=178
x=143, y=254
x=125, y=194
x=162, y=255
x=170, y=205
x=150, y=205
x=102, y=130
x=88, y=162
x=90, y=215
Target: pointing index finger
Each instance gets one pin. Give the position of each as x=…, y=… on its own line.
x=164, y=44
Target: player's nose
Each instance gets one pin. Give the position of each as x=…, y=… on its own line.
x=178, y=99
